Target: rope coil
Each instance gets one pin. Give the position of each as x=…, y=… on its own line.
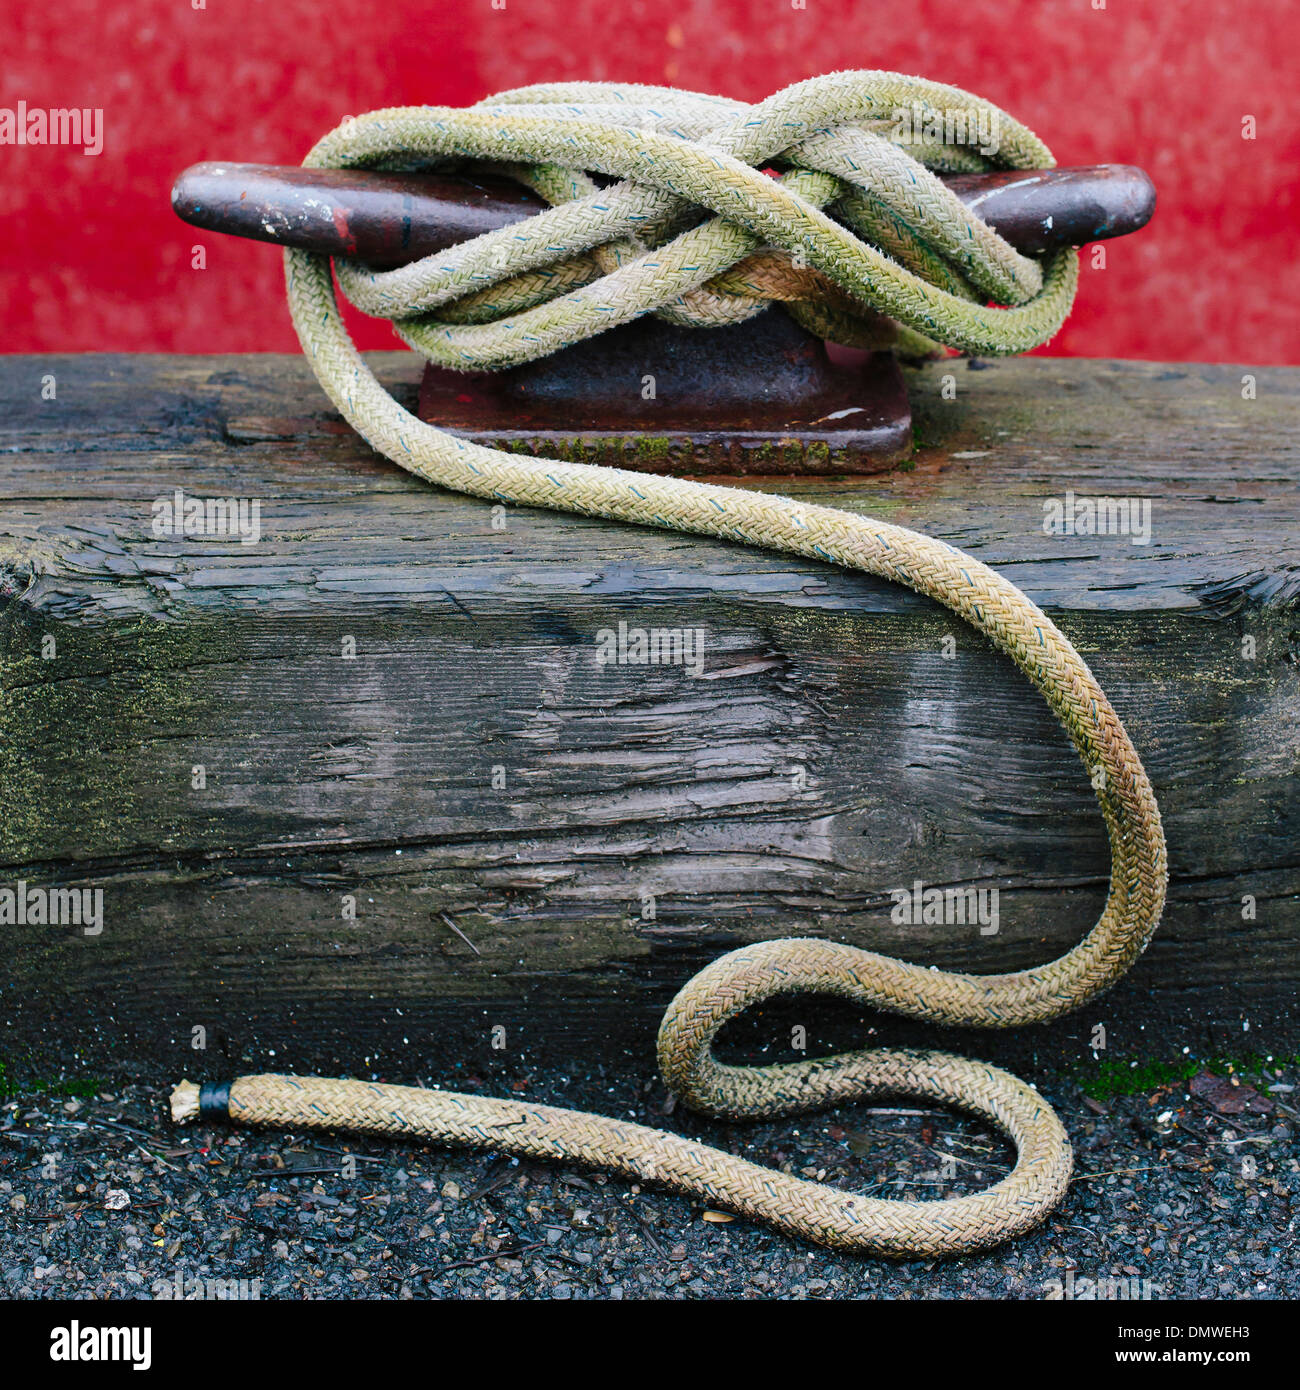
x=601, y=256
x=904, y=245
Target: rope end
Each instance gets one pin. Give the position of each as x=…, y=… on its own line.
x=185, y=1103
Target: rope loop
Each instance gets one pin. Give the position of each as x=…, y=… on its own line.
x=661, y=203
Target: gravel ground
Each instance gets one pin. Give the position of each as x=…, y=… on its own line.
x=1188, y=1191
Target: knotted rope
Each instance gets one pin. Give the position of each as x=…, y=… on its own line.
x=647, y=243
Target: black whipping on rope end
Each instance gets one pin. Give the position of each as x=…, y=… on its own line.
x=190, y=1102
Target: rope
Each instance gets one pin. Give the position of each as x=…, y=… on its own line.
x=646, y=243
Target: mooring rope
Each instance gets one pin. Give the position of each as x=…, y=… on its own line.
x=687, y=230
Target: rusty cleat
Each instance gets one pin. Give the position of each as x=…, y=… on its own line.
x=761, y=397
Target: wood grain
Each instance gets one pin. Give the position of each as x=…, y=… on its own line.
x=835, y=748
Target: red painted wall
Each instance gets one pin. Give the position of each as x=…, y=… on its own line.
x=93, y=258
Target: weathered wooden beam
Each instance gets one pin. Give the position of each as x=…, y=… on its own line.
x=598, y=831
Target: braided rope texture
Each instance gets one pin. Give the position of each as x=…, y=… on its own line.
x=692, y=228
